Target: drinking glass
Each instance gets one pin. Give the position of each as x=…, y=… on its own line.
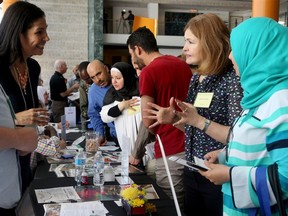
x=92, y=141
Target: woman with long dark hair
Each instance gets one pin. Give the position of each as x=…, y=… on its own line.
x=22, y=35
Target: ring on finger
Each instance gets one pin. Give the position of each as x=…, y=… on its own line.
x=38, y=114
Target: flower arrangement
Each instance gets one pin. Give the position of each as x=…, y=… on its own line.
x=134, y=201
x=134, y=195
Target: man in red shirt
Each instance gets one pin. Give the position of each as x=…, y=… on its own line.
x=162, y=77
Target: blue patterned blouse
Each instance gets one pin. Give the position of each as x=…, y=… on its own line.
x=224, y=109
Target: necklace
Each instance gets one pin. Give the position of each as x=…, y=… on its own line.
x=14, y=71
x=22, y=78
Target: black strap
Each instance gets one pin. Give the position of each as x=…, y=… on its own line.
x=275, y=185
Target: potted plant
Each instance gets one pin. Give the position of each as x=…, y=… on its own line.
x=134, y=201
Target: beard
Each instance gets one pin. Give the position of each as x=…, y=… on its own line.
x=139, y=62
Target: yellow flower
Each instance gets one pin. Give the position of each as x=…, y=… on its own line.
x=134, y=195
x=129, y=193
x=138, y=202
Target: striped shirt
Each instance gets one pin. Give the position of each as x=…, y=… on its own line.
x=259, y=140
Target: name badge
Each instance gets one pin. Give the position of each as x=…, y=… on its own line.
x=203, y=100
x=133, y=110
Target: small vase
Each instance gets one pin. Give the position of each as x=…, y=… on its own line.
x=133, y=210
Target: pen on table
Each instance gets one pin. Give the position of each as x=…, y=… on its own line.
x=65, y=201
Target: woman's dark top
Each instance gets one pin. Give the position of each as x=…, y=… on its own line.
x=22, y=102
x=224, y=109
x=19, y=100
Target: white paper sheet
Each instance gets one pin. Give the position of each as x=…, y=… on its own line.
x=108, y=148
x=60, y=194
x=70, y=113
x=95, y=208
x=74, y=96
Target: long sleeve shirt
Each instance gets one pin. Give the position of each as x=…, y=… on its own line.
x=259, y=141
x=95, y=102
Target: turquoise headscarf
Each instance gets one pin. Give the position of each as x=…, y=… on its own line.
x=260, y=49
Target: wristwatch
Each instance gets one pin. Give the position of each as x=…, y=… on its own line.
x=207, y=122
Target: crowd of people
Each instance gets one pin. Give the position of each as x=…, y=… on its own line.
x=230, y=109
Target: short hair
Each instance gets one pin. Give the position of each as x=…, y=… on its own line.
x=214, y=39
x=83, y=66
x=17, y=19
x=58, y=64
x=144, y=38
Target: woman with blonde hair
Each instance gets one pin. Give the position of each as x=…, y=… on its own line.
x=212, y=104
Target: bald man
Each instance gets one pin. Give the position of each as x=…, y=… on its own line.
x=100, y=75
x=59, y=91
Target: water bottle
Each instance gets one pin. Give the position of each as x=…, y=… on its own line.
x=80, y=162
x=109, y=175
x=98, y=178
x=124, y=167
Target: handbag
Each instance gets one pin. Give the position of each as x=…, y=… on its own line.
x=275, y=185
x=263, y=193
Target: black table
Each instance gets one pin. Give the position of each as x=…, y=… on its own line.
x=44, y=179
x=165, y=206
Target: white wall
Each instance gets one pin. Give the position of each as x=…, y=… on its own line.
x=170, y=51
x=68, y=31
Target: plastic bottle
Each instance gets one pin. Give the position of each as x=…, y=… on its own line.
x=80, y=162
x=98, y=178
x=109, y=175
x=84, y=178
x=124, y=167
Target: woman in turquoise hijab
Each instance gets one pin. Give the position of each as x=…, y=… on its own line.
x=259, y=136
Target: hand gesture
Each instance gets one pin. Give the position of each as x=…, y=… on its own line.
x=161, y=115
x=188, y=115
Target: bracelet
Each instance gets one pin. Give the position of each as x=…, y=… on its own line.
x=207, y=123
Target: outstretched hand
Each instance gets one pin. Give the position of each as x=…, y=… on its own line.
x=188, y=114
x=161, y=115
